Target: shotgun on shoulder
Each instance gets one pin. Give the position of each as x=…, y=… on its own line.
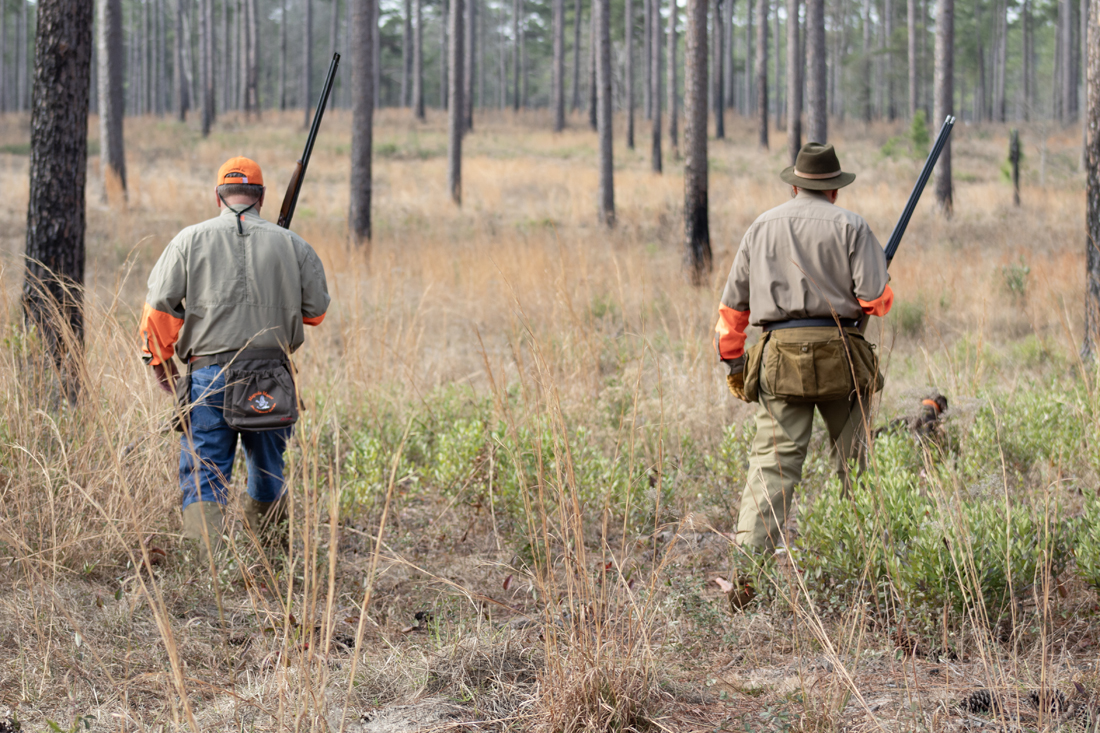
x=290, y=200
x=914, y=197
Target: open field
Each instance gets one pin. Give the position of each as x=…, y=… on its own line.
x=520, y=457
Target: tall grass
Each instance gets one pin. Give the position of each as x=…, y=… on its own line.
x=514, y=429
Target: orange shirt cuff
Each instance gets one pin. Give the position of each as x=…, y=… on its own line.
x=881, y=305
x=729, y=332
x=315, y=321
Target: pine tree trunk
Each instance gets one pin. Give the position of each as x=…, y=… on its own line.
x=888, y=60
x=999, y=92
x=52, y=296
x=418, y=60
x=778, y=101
x=161, y=60
x=21, y=58
x=4, y=68
x=729, y=65
x=655, y=92
x=647, y=58
x=443, y=21
x=406, y=55
x=241, y=55
x=456, y=110
x=377, y=46
x=697, y=259
x=254, y=58
x=628, y=40
x=470, y=72
x=558, y=69
x=795, y=60
x=762, y=70
x=576, y=103
x=305, y=96
x=517, y=10
x=283, y=23
x=601, y=17
x=205, y=54
x=1025, y=21
x=944, y=95
x=817, y=122
x=593, y=117
x=750, y=60
x=865, y=102
x=524, y=77
x=362, y=121
x=719, y=104
x=221, y=61
x=1092, y=195
x=670, y=65
x=112, y=103
x=182, y=76
x=914, y=68
x=502, y=66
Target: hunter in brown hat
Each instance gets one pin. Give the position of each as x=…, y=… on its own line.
x=806, y=273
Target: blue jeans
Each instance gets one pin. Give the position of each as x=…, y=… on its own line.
x=206, y=455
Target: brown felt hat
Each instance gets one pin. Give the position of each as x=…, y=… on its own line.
x=818, y=169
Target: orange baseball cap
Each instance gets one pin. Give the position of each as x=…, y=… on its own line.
x=240, y=170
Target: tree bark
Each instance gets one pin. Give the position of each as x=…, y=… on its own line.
x=778, y=101
x=670, y=65
x=418, y=61
x=52, y=297
x=205, y=54
x=182, y=54
x=112, y=103
x=1092, y=236
x=750, y=61
x=628, y=40
x=21, y=58
x=406, y=55
x=794, y=82
x=283, y=23
x=254, y=58
x=762, y=70
x=4, y=68
x=601, y=17
x=443, y=22
x=914, y=69
x=817, y=120
x=719, y=85
x=697, y=259
x=470, y=71
x=1025, y=21
x=865, y=101
x=362, y=121
x=517, y=9
x=306, y=93
x=888, y=60
x=576, y=103
x=558, y=70
x=593, y=47
x=944, y=95
x=647, y=58
x=222, y=56
x=456, y=110
x=655, y=80
x=160, y=60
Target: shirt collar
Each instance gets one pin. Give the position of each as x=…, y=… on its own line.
x=227, y=211
x=805, y=193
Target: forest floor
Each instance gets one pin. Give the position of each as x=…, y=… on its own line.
x=519, y=457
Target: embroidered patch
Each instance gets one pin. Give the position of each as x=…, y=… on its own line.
x=261, y=402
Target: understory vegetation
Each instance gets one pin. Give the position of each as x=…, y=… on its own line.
x=517, y=472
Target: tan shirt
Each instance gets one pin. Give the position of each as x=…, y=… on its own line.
x=806, y=259
x=214, y=290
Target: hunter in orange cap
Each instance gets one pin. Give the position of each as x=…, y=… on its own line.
x=240, y=170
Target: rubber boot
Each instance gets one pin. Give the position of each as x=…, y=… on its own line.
x=265, y=519
x=202, y=520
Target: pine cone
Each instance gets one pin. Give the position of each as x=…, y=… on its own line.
x=1055, y=701
x=980, y=701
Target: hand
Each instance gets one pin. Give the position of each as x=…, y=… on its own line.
x=166, y=376
x=736, y=383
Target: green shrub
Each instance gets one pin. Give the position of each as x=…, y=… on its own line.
x=1087, y=547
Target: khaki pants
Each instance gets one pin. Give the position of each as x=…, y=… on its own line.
x=778, y=452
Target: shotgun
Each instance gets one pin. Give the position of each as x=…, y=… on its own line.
x=914, y=197
x=918, y=189
x=290, y=200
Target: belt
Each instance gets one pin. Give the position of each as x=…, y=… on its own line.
x=225, y=357
x=811, y=323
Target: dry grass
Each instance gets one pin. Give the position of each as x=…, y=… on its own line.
x=563, y=615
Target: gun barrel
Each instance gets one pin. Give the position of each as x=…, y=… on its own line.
x=918, y=189
x=291, y=200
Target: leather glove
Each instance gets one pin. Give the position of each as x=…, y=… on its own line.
x=166, y=376
x=736, y=383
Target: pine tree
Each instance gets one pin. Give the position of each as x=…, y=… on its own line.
x=362, y=121
x=697, y=258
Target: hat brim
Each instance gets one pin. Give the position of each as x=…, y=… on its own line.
x=816, y=184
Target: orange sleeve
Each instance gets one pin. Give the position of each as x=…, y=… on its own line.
x=159, y=332
x=729, y=332
x=880, y=306
x=315, y=321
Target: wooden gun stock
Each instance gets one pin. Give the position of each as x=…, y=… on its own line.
x=290, y=200
x=291, y=196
